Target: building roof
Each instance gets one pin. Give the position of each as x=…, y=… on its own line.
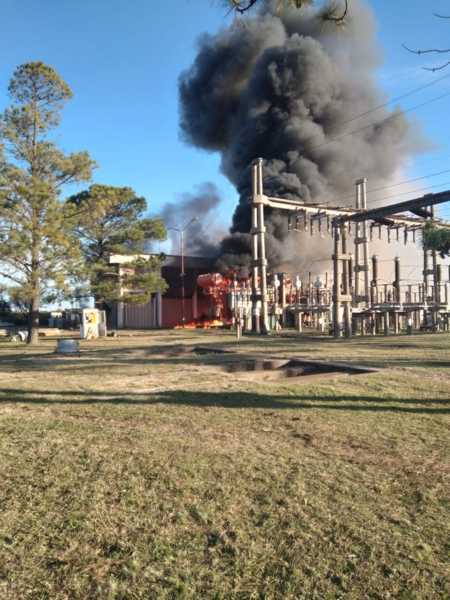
x=171, y=260
x=171, y=271
x=191, y=262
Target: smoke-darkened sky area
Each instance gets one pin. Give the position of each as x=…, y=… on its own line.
x=195, y=214
x=286, y=87
x=290, y=88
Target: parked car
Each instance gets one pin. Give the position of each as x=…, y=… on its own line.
x=12, y=332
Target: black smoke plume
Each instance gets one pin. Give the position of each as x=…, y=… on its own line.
x=202, y=235
x=283, y=86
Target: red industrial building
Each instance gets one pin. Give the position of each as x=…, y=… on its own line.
x=166, y=310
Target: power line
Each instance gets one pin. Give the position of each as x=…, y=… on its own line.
x=385, y=104
x=401, y=97
x=387, y=187
x=429, y=187
x=377, y=123
x=351, y=191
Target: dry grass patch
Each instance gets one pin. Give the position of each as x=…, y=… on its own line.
x=128, y=473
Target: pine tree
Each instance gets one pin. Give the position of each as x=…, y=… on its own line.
x=437, y=238
x=111, y=220
x=39, y=255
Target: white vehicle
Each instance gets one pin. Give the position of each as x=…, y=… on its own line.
x=12, y=332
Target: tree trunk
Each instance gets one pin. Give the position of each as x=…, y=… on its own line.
x=33, y=319
x=33, y=316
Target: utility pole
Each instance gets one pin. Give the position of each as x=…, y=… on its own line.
x=181, y=231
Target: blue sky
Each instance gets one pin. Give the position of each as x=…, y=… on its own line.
x=122, y=61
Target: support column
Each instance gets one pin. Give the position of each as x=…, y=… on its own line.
x=440, y=299
x=386, y=322
x=120, y=304
x=361, y=293
x=346, y=290
x=365, y=243
x=254, y=233
x=357, y=244
x=397, y=280
x=262, y=249
x=282, y=277
x=374, y=286
x=350, y=274
x=158, y=301
x=435, y=283
x=435, y=277
x=336, y=285
x=425, y=274
x=426, y=266
x=397, y=324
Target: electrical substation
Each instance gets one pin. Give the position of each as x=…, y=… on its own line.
x=351, y=300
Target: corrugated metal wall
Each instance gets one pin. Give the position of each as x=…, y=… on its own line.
x=139, y=316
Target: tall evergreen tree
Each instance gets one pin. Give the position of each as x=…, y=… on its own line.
x=111, y=220
x=39, y=255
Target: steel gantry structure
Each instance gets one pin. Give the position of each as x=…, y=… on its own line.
x=351, y=299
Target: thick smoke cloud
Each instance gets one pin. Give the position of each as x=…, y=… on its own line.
x=202, y=236
x=286, y=87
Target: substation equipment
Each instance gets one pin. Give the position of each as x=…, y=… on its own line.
x=352, y=300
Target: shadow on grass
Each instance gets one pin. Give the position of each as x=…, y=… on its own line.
x=231, y=400
x=179, y=354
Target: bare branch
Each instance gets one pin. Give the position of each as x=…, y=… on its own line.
x=330, y=15
x=441, y=16
x=243, y=9
x=12, y=278
x=436, y=68
x=432, y=50
x=237, y=5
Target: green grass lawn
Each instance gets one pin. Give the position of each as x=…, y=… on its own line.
x=138, y=471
